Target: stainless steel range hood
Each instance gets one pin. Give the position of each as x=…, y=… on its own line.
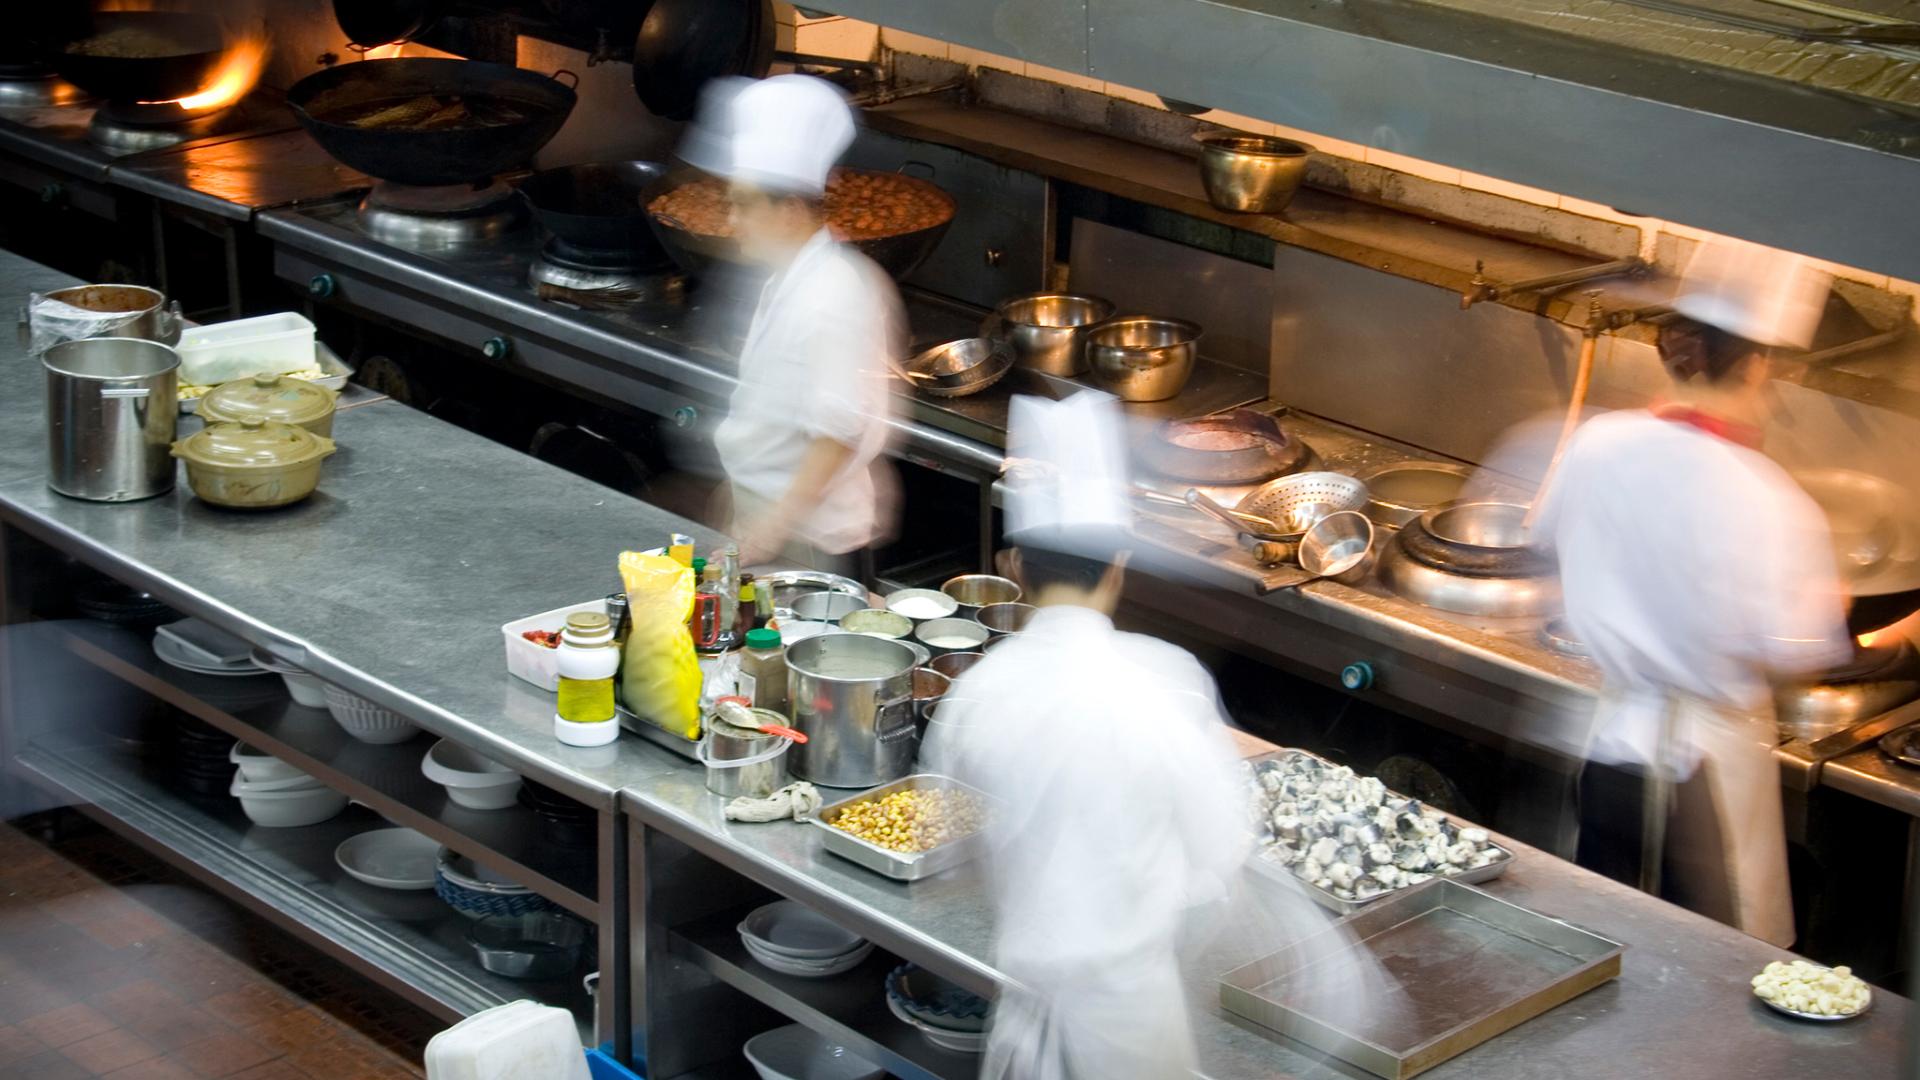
x=1753, y=155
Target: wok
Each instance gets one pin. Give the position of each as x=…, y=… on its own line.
x=429, y=158
x=1237, y=447
x=1874, y=524
x=599, y=207
x=370, y=23
x=700, y=255
x=682, y=44
x=144, y=78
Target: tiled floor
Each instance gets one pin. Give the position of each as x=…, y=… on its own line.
x=112, y=965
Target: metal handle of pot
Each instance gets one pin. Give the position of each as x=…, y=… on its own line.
x=169, y=322
x=671, y=222
x=125, y=391
x=574, y=85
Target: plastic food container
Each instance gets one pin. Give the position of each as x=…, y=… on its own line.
x=472, y=780
x=366, y=721
x=271, y=397
x=222, y=352
x=797, y=1052
x=538, y=664
x=288, y=808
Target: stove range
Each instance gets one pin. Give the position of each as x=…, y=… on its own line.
x=601, y=279
x=80, y=137
x=32, y=86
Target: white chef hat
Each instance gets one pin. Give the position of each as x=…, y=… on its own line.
x=1763, y=294
x=708, y=144
x=1067, y=482
x=784, y=133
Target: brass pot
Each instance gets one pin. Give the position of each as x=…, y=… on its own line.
x=1251, y=174
x=253, y=464
x=269, y=396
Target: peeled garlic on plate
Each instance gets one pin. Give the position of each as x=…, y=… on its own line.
x=1803, y=987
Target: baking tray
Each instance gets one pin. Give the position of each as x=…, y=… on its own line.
x=1445, y=966
x=900, y=865
x=1344, y=906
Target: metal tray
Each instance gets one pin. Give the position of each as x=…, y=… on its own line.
x=1455, y=967
x=1344, y=906
x=901, y=865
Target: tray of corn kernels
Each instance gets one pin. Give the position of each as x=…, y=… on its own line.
x=915, y=827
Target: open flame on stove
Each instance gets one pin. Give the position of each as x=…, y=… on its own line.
x=239, y=70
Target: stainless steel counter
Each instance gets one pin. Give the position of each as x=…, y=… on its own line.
x=1681, y=1008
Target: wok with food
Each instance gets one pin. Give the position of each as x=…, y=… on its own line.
x=141, y=55
x=428, y=121
x=896, y=220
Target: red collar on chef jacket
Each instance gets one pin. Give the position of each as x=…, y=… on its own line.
x=1733, y=431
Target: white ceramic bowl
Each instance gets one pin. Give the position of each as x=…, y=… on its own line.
x=257, y=766
x=472, y=780
x=305, y=689
x=289, y=809
x=808, y=969
x=366, y=721
x=790, y=928
x=965, y=1042
x=303, y=782
x=796, y=1052
x=389, y=858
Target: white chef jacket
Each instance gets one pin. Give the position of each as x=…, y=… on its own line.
x=1123, y=805
x=1690, y=565
x=815, y=365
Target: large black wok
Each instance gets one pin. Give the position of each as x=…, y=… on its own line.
x=700, y=254
x=188, y=49
x=598, y=207
x=432, y=157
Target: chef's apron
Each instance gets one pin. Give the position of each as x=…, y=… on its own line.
x=1714, y=839
x=1118, y=1021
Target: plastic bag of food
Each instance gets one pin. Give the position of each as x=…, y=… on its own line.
x=660, y=675
x=52, y=321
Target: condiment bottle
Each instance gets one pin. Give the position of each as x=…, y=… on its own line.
x=731, y=627
x=706, y=623
x=617, y=615
x=765, y=663
x=587, y=661
x=680, y=549
x=749, y=605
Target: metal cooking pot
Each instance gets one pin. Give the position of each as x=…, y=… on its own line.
x=127, y=311
x=852, y=697
x=1251, y=174
x=1048, y=331
x=745, y=761
x=112, y=405
x=1142, y=358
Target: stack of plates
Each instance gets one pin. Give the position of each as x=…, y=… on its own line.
x=192, y=645
x=947, y=1015
x=790, y=938
x=394, y=858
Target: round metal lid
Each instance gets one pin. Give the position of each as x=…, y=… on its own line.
x=268, y=397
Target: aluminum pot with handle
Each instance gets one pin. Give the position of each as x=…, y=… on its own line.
x=852, y=697
x=84, y=311
x=112, y=406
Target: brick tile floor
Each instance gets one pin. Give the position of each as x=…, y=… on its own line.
x=112, y=965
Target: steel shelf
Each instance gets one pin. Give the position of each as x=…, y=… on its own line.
x=386, y=778
x=850, y=1009
x=408, y=941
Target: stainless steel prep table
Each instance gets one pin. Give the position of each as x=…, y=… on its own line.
x=1681, y=1008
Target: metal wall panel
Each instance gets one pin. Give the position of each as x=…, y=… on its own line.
x=1050, y=32
x=1143, y=275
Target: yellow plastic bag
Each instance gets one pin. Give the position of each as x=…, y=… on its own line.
x=660, y=675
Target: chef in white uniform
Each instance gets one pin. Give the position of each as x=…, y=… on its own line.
x=803, y=439
x=1696, y=572
x=1122, y=800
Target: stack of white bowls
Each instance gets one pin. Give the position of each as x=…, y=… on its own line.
x=946, y=1015
x=792, y=939
x=305, y=688
x=367, y=721
x=276, y=794
x=472, y=780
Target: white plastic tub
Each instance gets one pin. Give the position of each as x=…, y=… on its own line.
x=472, y=780
x=538, y=664
x=223, y=352
x=796, y=1052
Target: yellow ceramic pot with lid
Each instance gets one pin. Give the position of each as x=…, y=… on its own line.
x=271, y=397
x=253, y=464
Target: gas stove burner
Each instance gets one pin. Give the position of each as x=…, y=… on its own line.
x=438, y=218
x=1559, y=637
x=1878, y=677
x=28, y=86
x=1484, y=595
x=131, y=127
x=602, y=288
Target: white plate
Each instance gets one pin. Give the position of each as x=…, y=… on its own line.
x=809, y=969
x=789, y=928
x=169, y=652
x=964, y=1042
x=205, y=644
x=389, y=858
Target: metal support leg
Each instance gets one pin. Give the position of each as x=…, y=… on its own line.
x=986, y=526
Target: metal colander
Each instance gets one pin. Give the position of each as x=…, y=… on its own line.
x=1297, y=501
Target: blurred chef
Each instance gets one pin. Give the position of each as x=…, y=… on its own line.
x=1122, y=801
x=1696, y=571
x=802, y=441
